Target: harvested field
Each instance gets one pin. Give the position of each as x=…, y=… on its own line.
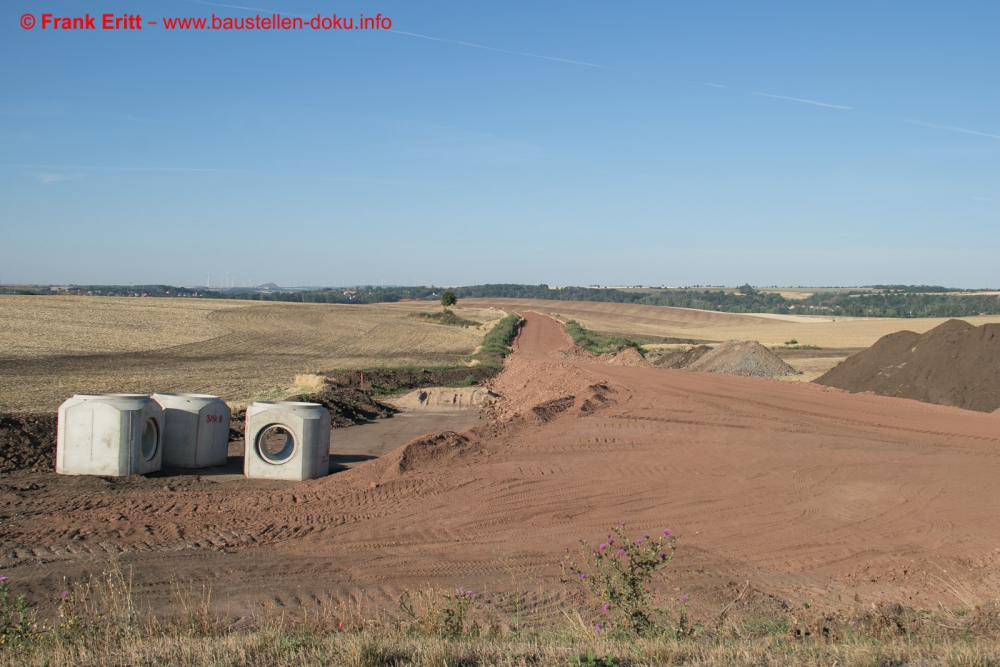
x=793, y=493
x=706, y=326
x=954, y=363
x=52, y=347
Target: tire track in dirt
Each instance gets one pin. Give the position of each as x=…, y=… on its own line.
x=795, y=488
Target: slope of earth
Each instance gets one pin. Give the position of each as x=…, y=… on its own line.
x=954, y=363
x=53, y=347
x=742, y=357
x=808, y=493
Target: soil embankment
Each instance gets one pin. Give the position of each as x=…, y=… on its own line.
x=794, y=493
x=954, y=363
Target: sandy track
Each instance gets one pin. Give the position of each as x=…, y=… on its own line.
x=52, y=347
x=808, y=493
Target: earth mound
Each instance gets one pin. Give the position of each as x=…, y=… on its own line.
x=682, y=358
x=742, y=357
x=628, y=356
x=27, y=441
x=438, y=449
x=953, y=364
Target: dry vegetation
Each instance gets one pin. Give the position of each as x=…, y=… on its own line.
x=52, y=347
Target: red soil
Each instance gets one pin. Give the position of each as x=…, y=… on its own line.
x=806, y=492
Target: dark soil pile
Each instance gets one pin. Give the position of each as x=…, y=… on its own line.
x=27, y=441
x=386, y=380
x=954, y=363
x=742, y=357
x=347, y=407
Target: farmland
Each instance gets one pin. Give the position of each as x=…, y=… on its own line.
x=54, y=346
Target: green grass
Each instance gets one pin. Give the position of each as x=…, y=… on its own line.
x=497, y=341
x=598, y=344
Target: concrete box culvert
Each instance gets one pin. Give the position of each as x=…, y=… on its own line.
x=112, y=435
x=287, y=440
x=195, y=430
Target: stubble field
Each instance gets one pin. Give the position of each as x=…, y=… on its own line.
x=52, y=347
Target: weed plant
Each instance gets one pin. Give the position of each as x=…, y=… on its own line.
x=616, y=573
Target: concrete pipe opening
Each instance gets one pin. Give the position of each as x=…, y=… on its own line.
x=275, y=444
x=150, y=440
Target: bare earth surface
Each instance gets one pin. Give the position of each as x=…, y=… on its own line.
x=808, y=493
x=54, y=346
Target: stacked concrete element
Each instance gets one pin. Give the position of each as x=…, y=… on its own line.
x=112, y=435
x=195, y=430
x=287, y=440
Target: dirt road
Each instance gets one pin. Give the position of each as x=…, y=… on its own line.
x=809, y=494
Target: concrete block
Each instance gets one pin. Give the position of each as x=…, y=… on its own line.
x=287, y=440
x=113, y=435
x=195, y=430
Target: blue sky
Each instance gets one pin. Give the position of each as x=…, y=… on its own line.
x=648, y=143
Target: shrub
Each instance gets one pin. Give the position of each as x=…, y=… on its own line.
x=448, y=298
x=617, y=574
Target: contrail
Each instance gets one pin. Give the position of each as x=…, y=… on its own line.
x=63, y=166
x=953, y=129
x=797, y=99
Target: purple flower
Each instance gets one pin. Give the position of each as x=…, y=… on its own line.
x=621, y=552
x=852, y=623
x=583, y=575
x=663, y=555
x=598, y=627
x=666, y=531
x=638, y=542
x=623, y=524
x=611, y=541
x=684, y=598
x=645, y=537
x=603, y=547
x=65, y=594
x=606, y=606
x=3, y=580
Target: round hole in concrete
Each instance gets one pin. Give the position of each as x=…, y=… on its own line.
x=150, y=439
x=275, y=444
